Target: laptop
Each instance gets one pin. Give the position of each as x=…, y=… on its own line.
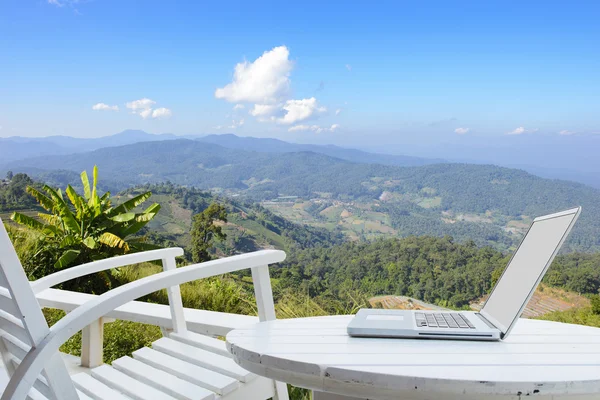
x=502, y=309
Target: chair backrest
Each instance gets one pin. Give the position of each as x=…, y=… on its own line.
x=23, y=326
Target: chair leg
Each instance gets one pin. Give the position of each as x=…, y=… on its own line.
x=281, y=392
x=92, y=342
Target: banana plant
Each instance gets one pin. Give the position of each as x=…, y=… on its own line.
x=82, y=228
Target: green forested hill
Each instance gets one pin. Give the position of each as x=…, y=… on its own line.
x=436, y=270
x=13, y=194
x=250, y=227
x=486, y=203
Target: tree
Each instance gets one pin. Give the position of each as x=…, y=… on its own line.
x=204, y=231
x=9, y=175
x=595, y=300
x=87, y=229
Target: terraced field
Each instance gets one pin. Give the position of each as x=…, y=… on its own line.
x=546, y=300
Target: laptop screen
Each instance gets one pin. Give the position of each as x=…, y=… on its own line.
x=529, y=262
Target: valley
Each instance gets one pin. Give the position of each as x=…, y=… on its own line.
x=367, y=220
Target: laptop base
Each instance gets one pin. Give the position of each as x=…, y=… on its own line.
x=379, y=323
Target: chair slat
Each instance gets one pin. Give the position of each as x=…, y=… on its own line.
x=203, y=358
x=211, y=380
x=14, y=327
x=83, y=396
x=202, y=342
x=15, y=347
x=7, y=304
x=95, y=389
x=35, y=395
x=161, y=380
x=127, y=385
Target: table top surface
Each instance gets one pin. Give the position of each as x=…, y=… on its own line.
x=538, y=357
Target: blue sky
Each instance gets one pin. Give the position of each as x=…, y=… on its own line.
x=342, y=72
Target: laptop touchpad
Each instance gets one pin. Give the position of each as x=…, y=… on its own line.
x=385, y=317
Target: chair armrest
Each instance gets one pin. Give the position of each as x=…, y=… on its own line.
x=102, y=265
x=33, y=363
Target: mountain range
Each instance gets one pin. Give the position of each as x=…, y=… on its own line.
x=483, y=202
x=555, y=157
x=19, y=148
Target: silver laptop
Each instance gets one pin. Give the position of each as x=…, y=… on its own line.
x=502, y=309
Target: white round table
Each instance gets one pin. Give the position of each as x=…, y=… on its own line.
x=540, y=359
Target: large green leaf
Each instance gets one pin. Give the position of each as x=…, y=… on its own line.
x=125, y=217
x=95, y=197
x=114, y=241
x=144, y=217
x=90, y=242
x=77, y=201
x=86, y=186
x=140, y=221
x=27, y=221
x=131, y=203
x=63, y=209
x=66, y=259
x=41, y=198
x=50, y=219
x=152, y=210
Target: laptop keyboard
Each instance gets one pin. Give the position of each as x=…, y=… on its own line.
x=443, y=320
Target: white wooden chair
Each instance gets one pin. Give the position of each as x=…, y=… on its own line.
x=183, y=365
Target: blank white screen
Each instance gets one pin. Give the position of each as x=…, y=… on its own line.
x=525, y=268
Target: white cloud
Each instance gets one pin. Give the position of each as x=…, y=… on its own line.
x=349, y=67
x=518, y=131
x=338, y=111
x=239, y=106
x=56, y=3
x=145, y=113
x=521, y=130
x=313, y=128
x=264, y=110
x=462, y=131
x=299, y=110
x=264, y=81
x=566, y=132
x=141, y=104
x=144, y=108
x=104, y=107
x=161, y=113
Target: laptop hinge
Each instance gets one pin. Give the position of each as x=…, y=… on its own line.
x=486, y=321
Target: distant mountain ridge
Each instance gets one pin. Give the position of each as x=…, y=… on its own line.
x=19, y=148
x=266, y=145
